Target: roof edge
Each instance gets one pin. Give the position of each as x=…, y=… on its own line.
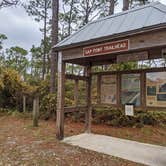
x=111, y=37
x=153, y=5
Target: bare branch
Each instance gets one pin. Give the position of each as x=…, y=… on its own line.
x=7, y=3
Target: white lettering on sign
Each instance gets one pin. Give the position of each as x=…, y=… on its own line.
x=106, y=48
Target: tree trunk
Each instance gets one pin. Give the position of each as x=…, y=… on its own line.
x=125, y=5
x=111, y=7
x=45, y=38
x=70, y=17
x=72, y=69
x=35, y=111
x=24, y=103
x=87, y=9
x=54, y=38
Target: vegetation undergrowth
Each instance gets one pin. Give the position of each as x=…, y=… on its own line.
x=15, y=113
x=116, y=117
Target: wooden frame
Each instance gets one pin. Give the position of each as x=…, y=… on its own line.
x=76, y=77
x=141, y=41
x=61, y=110
x=142, y=73
x=149, y=42
x=75, y=109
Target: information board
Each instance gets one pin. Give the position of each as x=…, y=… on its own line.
x=156, y=89
x=130, y=91
x=108, y=89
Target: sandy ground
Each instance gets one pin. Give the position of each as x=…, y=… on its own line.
x=23, y=145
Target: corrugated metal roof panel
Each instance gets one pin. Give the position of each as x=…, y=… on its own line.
x=141, y=18
x=160, y=6
x=127, y=23
x=115, y=25
x=164, y=19
x=106, y=24
x=134, y=19
x=155, y=18
x=98, y=28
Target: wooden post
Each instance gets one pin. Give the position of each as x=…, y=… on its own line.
x=24, y=103
x=118, y=91
x=76, y=92
x=76, y=97
x=125, y=5
x=88, y=114
x=143, y=90
x=35, y=111
x=60, y=98
x=98, y=89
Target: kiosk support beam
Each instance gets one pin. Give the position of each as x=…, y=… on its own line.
x=88, y=114
x=60, y=98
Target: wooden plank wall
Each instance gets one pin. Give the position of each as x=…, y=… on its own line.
x=138, y=42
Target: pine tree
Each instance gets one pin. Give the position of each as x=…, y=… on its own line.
x=54, y=41
x=68, y=18
x=40, y=10
x=134, y=3
x=126, y=5
x=16, y=58
x=7, y=3
x=108, y=7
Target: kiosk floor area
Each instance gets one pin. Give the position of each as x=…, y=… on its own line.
x=147, y=154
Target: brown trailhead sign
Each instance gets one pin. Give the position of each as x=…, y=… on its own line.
x=106, y=48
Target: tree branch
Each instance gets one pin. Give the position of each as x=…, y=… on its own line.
x=7, y=3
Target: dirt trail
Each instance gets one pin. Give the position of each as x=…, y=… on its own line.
x=21, y=144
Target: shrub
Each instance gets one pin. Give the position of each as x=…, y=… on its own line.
x=115, y=123
x=48, y=106
x=147, y=119
x=43, y=88
x=113, y=117
x=10, y=88
x=139, y=125
x=78, y=117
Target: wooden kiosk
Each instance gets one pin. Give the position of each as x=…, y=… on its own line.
x=134, y=35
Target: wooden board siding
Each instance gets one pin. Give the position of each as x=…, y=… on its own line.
x=141, y=42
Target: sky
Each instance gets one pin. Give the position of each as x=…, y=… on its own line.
x=22, y=30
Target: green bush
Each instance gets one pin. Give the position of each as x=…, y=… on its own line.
x=147, y=119
x=12, y=89
x=3, y=110
x=152, y=117
x=139, y=125
x=114, y=123
x=48, y=106
x=115, y=117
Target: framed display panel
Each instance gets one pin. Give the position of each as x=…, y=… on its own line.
x=130, y=89
x=156, y=89
x=108, y=89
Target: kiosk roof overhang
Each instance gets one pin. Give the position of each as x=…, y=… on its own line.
x=135, y=21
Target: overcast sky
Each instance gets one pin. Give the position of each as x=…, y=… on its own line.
x=20, y=28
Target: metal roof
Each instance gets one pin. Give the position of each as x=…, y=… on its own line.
x=134, y=19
